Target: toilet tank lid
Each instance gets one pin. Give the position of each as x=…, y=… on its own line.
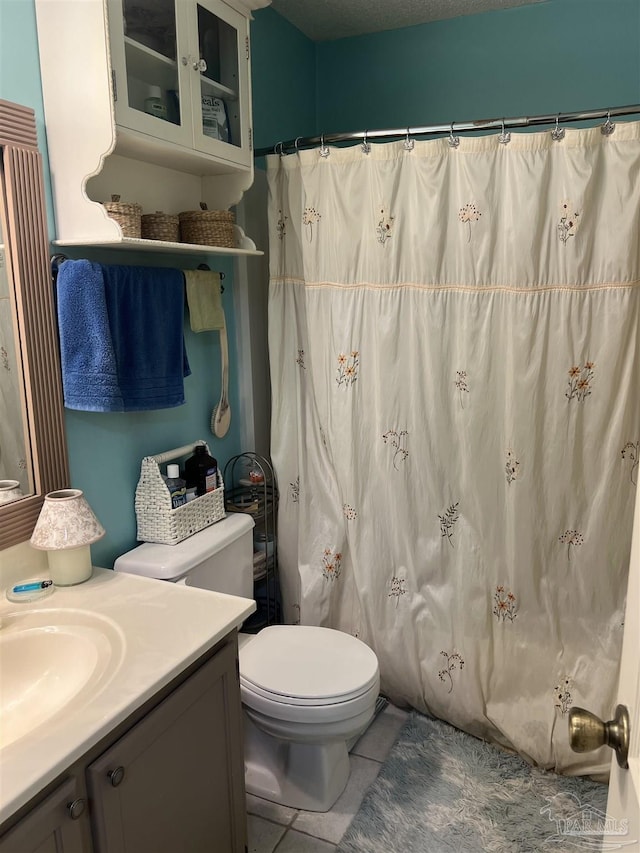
x=170, y=562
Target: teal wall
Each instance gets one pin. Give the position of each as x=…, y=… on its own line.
x=283, y=80
x=556, y=56
x=105, y=450
x=559, y=55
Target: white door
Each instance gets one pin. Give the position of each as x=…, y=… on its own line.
x=624, y=786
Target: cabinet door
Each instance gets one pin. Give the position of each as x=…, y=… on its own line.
x=59, y=824
x=175, y=781
x=219, y=37
x=151, y=69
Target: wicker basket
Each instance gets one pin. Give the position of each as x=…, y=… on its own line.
x=161, y=226
x=126, y=214
x=156, y=520
x=208, y=227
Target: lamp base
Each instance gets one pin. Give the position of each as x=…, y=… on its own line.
x=70, y=566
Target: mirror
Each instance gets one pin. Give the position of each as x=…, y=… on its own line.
x=38, y=423
x=16, y=479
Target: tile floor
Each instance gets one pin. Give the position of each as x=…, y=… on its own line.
x=277, y=829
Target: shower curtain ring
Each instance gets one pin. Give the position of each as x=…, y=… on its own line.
x=295, y=143
x=324, y=151
x=365, y=147
x=453, y=141
x=558, y=133
x=608, y=127
x=408, y=143
x=505, y=137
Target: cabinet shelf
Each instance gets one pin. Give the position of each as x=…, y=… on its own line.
x=147, y=64
x=218, y=90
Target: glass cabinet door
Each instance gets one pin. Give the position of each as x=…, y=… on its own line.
x=151, y=84
x=222, y=94
x=181, y=74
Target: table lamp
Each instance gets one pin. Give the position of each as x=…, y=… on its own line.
x=65, y=529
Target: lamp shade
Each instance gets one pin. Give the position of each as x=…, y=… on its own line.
x=66, y=521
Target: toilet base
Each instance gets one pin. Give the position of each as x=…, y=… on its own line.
x=309, y=776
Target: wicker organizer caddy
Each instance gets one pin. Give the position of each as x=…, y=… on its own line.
x=157, y=521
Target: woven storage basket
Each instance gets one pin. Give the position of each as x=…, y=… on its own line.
x=156, y=520
x=208, y=227
x=126, y=214
x=161, y=226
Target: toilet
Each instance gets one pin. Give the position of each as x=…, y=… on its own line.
x=308, y=693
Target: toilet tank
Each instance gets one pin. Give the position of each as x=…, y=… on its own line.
x=220, y=558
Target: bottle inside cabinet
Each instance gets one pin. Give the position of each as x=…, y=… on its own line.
x=250, y=487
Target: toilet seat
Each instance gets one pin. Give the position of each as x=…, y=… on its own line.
x=300, y=665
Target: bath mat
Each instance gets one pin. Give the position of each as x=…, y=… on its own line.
x=443, y=791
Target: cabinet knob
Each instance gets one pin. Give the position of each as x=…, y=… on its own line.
x=200, y=65
x=76, y=808
x=116, y=776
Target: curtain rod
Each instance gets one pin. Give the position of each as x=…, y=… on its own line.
x=431, y=130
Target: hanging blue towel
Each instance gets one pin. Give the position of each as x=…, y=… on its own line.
x=121, y=337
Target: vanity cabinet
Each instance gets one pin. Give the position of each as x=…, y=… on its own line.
x=176, y=780
x=171, y=778
x=59, y=824
x=149, y=100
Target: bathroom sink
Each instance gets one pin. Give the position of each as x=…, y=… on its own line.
x=52, y=661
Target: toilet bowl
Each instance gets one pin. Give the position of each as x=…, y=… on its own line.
x=307, y=692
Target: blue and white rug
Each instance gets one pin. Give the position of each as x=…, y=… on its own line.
x=443, y=791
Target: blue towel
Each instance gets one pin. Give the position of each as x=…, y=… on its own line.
x=121, y=337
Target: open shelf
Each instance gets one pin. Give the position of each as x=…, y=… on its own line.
x=258, y=497
x=130, y=244
x=244, y=245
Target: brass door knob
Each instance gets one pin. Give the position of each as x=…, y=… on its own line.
x=588, y=732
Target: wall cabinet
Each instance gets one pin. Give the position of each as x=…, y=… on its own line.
x=180, y=73
x=150, y=101
x=171, y=780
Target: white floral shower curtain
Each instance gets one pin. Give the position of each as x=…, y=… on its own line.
x=455, y=352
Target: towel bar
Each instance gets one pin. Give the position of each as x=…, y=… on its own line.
x=207, y=267
x=57, y=259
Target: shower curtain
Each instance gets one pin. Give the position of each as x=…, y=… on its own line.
x=454, y=351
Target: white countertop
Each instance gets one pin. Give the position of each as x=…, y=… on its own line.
x=158, y=629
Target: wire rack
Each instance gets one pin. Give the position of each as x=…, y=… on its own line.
x=250, y=487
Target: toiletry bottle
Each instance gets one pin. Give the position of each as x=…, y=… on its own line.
x=176, y=485
x=201, y=471
x=154, y=105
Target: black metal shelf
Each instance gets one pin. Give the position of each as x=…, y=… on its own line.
x=251, y=488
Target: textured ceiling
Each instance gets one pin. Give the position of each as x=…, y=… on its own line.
x=325, y=20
